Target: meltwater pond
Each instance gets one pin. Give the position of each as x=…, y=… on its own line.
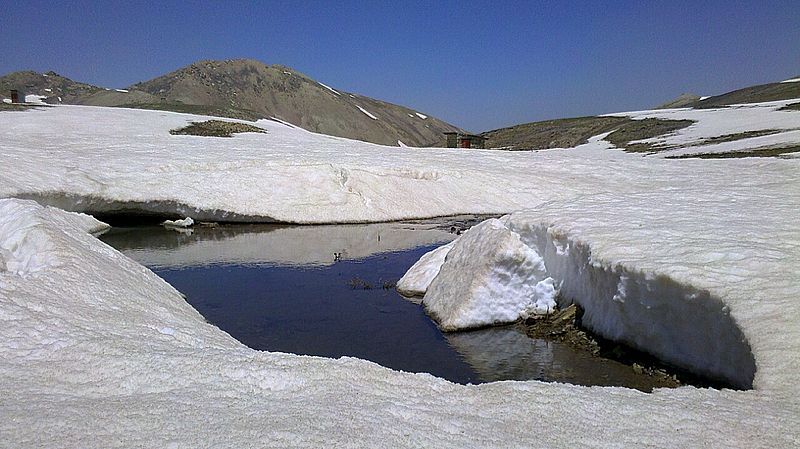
x=329, y=291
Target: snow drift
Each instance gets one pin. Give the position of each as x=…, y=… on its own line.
x=491, y=277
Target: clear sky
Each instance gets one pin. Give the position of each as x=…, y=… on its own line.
x=478, y=65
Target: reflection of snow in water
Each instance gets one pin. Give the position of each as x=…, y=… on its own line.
x=504, y=353
x=277, y=245
x=507, y=353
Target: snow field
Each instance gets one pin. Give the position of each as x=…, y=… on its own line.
x=725, y=121
x=702, y=252
x=161, y=376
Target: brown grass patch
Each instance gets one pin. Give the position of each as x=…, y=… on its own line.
x=216, y=128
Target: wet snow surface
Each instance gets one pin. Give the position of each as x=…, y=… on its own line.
x=97, y=350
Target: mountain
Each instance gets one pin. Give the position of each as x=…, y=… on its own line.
x=248, y=89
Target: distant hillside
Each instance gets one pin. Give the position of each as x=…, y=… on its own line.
x=683, y=101
x=784, y=90
x=52, y=85
x=249, y=89
x=753, y=94
x=569, y=132
x=560, y=133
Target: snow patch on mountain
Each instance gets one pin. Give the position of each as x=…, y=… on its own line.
x=329, y=88
x=367, y=113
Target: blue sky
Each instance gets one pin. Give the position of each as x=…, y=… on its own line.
x=479, y=65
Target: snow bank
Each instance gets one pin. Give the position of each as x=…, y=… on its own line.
x=418, y=278
x=488, y=277
x=37, y=99
x=422, y=116
x=672, y=278
x=99, y=346
x=182, y=223
x=791, y=80
x=25, y=248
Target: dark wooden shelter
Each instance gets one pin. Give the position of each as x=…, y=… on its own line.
x=464, y=140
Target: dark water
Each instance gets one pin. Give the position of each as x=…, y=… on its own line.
x=328, y=291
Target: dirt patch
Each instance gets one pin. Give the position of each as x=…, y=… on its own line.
x=565, y=326
x=791, y=107
x=763, y=152
x=216, y=128
x=648, y=128
x=19, y=106
x=737, y=136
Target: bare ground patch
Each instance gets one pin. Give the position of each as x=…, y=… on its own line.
x=737, y=136
x=216, y=128
x=791, y=107
x=648, y=128
x=19, y=106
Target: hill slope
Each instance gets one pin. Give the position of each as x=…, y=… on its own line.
x=753, y=94
x=568, y=132
x=250, y=90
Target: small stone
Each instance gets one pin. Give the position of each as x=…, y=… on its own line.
x=638, y=369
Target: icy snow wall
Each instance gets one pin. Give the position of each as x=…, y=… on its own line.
x=503, y=270
x=487, y=277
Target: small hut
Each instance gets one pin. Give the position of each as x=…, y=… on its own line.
x=17, y=96
x=464, y=140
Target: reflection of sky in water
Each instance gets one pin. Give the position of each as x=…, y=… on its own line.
x=288, y=289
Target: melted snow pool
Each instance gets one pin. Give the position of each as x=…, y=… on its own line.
x=329, y=291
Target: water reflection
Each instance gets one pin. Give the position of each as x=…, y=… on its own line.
x=271, y=244
x=507, y=353
x=291, y=289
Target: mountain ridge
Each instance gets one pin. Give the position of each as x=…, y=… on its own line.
x=249, y=89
